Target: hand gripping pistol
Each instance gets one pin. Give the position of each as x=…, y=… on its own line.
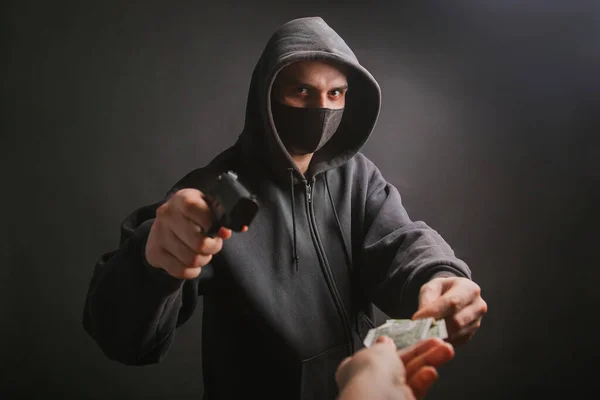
x=232, y=205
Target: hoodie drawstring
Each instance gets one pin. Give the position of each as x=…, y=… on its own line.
x=295, y=248
x=337, y=220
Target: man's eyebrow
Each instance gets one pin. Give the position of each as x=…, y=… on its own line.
x=298, y=82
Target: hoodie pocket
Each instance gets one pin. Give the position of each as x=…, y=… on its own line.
x=318, y=374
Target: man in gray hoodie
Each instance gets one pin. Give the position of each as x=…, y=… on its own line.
x=286, y=301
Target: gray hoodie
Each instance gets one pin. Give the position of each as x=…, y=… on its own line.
x=287, y=301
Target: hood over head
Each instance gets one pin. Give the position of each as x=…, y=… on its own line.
x=302, y=39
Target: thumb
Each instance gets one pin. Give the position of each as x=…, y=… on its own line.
x=385, y=339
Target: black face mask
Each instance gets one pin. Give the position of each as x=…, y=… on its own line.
x=305, y=130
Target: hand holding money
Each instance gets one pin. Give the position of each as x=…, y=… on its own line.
x=421, y=348
x=383, y=371
x=406, y=332
x=458, y=301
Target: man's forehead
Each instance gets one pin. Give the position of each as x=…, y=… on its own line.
x=313, y=70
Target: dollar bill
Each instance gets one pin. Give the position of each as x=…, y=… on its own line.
x=437, y=329
x=403, y=332
x=406, y=332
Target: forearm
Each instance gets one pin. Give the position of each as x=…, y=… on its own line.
x=400, y=255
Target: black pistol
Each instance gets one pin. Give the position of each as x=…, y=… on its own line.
x=232, y=205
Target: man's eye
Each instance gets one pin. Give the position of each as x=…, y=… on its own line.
x=302, y=90
x=335, y=93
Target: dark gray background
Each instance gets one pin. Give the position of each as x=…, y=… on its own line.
x=488, y=128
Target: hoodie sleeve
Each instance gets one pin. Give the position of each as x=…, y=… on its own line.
x=131, y=309
x=399, y=254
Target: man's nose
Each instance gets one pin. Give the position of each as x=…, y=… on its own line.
x=321, y=101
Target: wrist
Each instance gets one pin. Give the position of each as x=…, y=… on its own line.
x=443, y=274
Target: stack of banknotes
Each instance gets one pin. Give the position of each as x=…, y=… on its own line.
x=406, y=332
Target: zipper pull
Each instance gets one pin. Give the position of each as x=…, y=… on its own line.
x=309, y=192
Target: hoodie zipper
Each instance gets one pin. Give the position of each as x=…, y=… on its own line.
x=328, y=274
